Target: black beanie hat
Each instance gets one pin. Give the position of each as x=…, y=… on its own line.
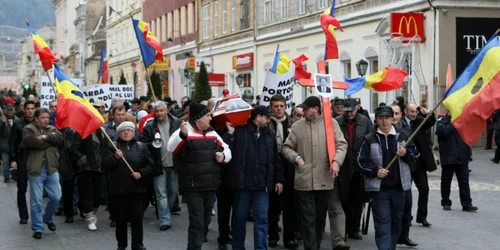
x=197, y=111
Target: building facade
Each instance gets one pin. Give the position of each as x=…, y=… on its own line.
x=226, y=39
x=174, y=24
x=66, y=33
x=95, y=39
x=123, y=51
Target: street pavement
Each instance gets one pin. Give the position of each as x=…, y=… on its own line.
x=450, y=229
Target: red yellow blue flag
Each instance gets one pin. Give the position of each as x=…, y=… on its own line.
x=47, y=58
x=148, y=43
x=73, y=109
x=388, y=79
x=103, y=73
x=469, y=106
x=329, y=23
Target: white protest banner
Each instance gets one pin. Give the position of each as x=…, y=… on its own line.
x=126, y=92
x=47, y=92
x=98, y=92
x=279, y=84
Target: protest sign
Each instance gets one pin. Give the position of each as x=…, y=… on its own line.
x=106, y=93
x=47, y=92
x=279, y=84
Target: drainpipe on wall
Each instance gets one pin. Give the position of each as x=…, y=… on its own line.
x=255, y=69
x=435, y=85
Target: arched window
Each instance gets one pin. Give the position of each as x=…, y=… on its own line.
x=371, y=56
x=345, y=63
x=111, y=80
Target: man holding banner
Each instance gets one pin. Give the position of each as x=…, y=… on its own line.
x=306, y=147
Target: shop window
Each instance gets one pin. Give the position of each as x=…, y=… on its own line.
x=244, y=80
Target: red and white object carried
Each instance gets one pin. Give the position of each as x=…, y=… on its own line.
x=231, y=109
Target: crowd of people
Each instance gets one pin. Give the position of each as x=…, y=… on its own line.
x=161, y=153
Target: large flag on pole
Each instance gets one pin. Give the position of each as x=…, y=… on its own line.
x=103, y=73
x=148, y=43
x=471, y=107
x=329, y=23
x=385, y=80
x=47, y=58
x=73, y=109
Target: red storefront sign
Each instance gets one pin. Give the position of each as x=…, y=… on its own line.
x=408, y=25
x=214, y=80
x=243, y=61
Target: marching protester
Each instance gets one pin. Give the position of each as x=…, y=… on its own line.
x=41, y=142
x=18, y=158
x=86, y=155
x=200, y=151
x=455, y=156
x=6, y=124
x=314, y=178
x=387, y=187
x=165, y=175
x=256, y=172
x=414, y=116
x=280, y=126
x=354, y=127
x=495, y=124
x=128, y=190
x=403, y=128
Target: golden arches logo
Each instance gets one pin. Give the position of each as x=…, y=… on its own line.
x=408, y=21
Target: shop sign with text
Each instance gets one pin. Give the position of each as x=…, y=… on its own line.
x=408, y=25
x=243, y=61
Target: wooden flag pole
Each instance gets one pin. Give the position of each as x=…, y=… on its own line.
x=327, y=115
x=51, y=84
x=112, y=143
x=150, y=84
x=416, y=131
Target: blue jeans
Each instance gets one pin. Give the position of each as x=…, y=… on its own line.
x=37, y=184
x=6, y=164
x=259, y=200
x=166, y=188
x=388, y=206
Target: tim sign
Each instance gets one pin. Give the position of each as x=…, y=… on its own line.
x=408, y=25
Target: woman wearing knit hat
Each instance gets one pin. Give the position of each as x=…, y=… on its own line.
x=128, y=190
x=200, y=150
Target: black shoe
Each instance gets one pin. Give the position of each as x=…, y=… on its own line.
x=37, y=235
x=165, y=227
x=23, y=221
x=470, y=209
x=447, y=207
x=291, y=245
x=69, y=219
x=52, y=227
x=112, y=224
x=424, y=223
x=407, y=242
x=493, y=160
x=342, y=247
x=120, y=248
x=273, y=243
x=176, y=209
x=355, y=236
x=59, y=211
x=222, y=246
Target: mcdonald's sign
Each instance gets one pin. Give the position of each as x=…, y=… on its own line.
x=408, y=25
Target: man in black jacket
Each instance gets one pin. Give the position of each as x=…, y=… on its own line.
x=200, y=150
x=495, y=124
x=18, y=159
x=165, y=176
x=86, y=155
x=414, y=116
x=455, y=156
x=354, y=126
x=256, y=170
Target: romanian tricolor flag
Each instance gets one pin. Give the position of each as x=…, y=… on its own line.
x=471, y=107
x=328, y=22
x=148, y=43
x=73, y=109
x=385, y=80
x=103, y=73
x=42, y=49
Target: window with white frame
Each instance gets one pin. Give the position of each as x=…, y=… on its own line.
x=321, y=4
x=284, y=8
x=302, y=6
x=346, y=68
x=233, y=15
x=244, y=14
x=373, y=68
x=268, y=11
x=206, y=21
x=224, y=16
x=216, y=18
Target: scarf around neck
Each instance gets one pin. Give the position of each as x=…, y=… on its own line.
x=280, y=136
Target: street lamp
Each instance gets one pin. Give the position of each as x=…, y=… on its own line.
x=362, y=66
